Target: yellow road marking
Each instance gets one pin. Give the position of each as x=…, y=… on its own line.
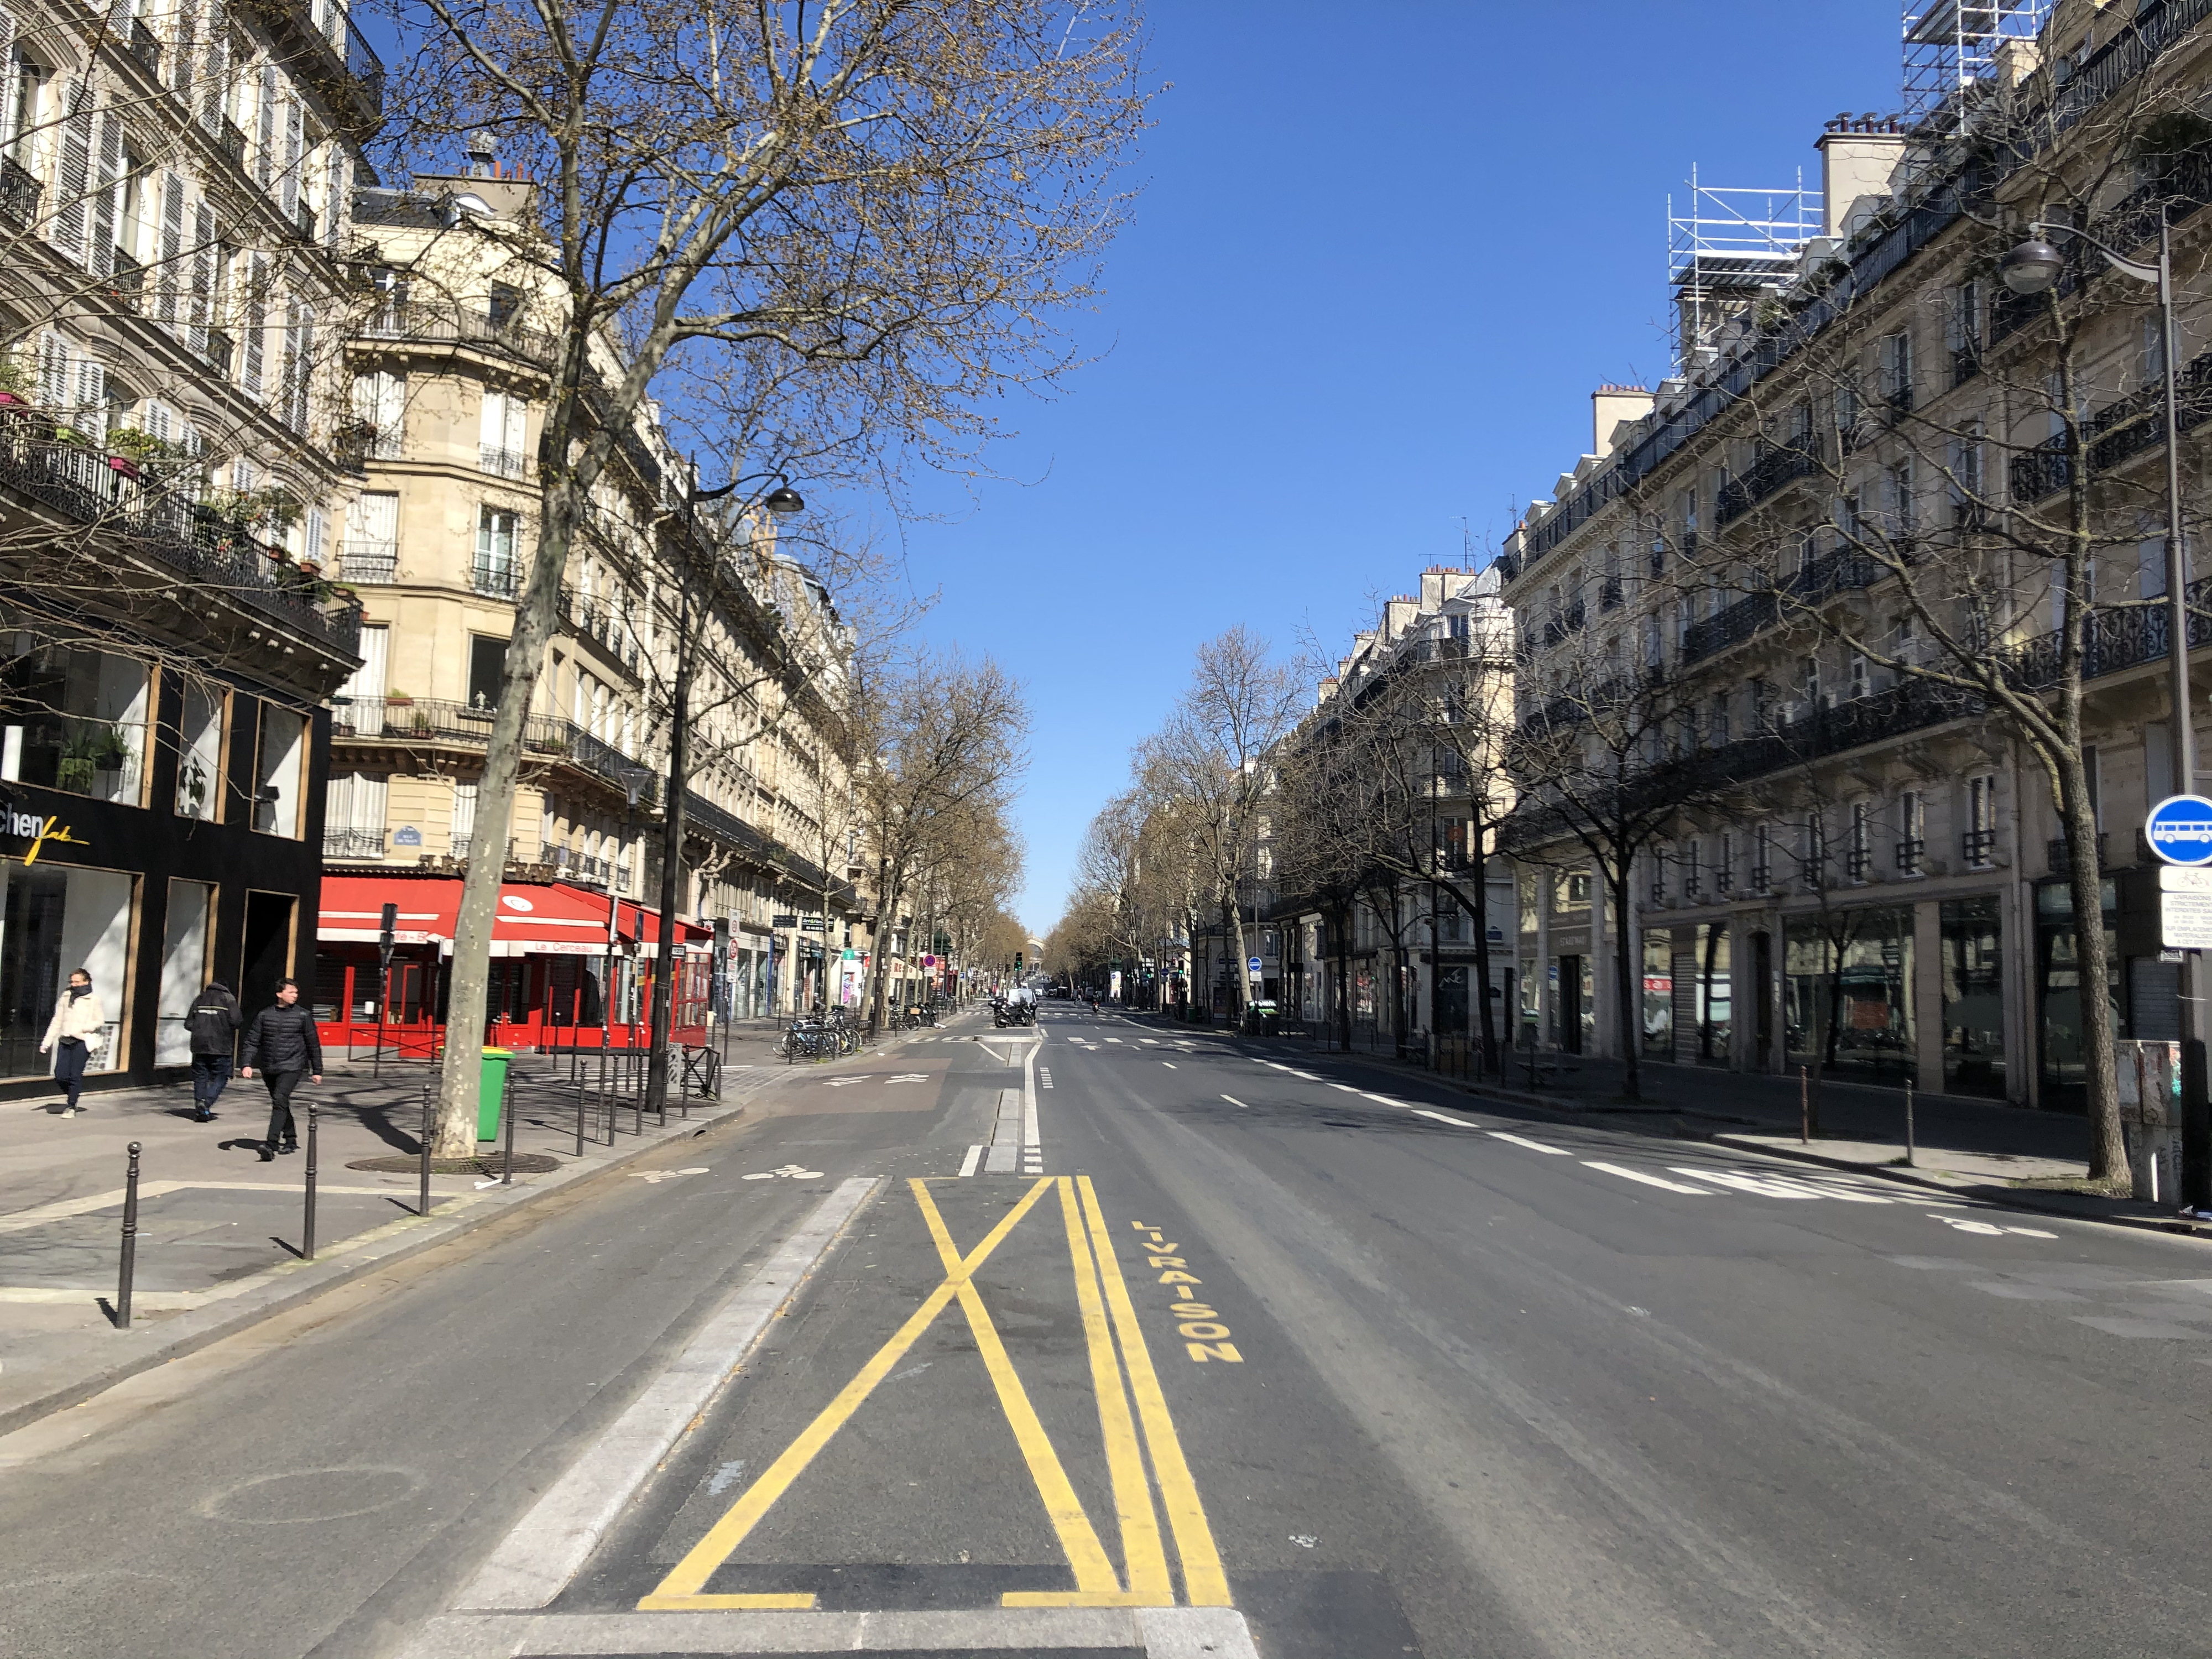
x=1204, y=1581
x=1125, y=1461
x=1078, y=1541
x=682, y=1587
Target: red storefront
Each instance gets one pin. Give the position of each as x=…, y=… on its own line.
x=556, y=980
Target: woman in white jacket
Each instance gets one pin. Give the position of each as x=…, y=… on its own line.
x=79, y=1022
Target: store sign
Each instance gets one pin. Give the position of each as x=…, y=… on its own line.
x=783, y=921
x=39, y=831
x=2179, y=830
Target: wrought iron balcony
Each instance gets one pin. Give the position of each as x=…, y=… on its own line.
x=18, y=193
x=145, y=47
x=2121, y=429
x=1908, y=855
x=1841, y=571
x=1861, y=863
x=370, y=561
x=220, y=352
x=1785, y=464
x=325, y=48
x=504, y=463
x=126, y=283
x=493, y=580
x=2061, y=854
x=1978, y=848
x=353, y=843
x=230, y=139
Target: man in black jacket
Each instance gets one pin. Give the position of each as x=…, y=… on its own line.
x=213, y=1022
x=284, y=1044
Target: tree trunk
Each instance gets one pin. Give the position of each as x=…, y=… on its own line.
x=467, y=980
x=671, y=866
x=1624, y=980
x=1705, y=993
x=2108, y=1152
x=1490, y=1056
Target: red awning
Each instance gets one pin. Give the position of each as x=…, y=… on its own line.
x=534, y=918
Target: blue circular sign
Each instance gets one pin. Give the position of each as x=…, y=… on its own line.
x=2179, y=830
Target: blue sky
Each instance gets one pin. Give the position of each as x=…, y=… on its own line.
x=1383, y=255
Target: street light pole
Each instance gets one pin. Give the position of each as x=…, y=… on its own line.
x=2033, y=267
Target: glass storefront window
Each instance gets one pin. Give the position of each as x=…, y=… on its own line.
x=2059, y=989
x=1973, y=998
x=199, y=751
x=1847, y=993
x=280, y=771
x=1658, y=995
x=54, y=918
x=75, y=720
x=185, y=935
x=1714, y=998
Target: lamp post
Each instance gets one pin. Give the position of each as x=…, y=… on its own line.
x=2034, y=267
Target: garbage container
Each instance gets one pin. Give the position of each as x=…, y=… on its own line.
x=491, y=1090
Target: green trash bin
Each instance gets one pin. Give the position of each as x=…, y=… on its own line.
x=491, y=1090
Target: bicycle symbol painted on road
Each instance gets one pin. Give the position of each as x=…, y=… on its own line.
x=657, y=1175
x=788, y=1172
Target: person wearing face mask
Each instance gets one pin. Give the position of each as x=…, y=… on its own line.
x=284, y=1044
x=79, y=1023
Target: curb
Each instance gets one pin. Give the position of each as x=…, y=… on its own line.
x=188, y=1332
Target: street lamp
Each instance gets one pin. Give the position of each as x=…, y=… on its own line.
x=2034, y=267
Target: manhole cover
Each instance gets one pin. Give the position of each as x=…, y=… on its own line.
x=490, y=1163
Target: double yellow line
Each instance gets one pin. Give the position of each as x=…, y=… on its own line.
x=1101, y=1294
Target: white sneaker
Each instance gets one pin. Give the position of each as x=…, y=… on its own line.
x=69, y=1111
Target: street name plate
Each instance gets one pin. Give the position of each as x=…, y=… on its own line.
x=2185, y=921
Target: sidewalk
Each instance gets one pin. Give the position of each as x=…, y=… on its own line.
x=1979, y=1148
x=219, y=1231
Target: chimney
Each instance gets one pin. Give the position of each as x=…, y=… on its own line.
x=1857, y=155
x=1610, y=405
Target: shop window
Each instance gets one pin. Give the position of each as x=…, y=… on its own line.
x=1848, y=994
x=54, y=918
x=280, y=771
x=199, y=751
x=73, y=720
x=2059, y=989
x=185, y=931
x=1973, y=999
x=1658, y=995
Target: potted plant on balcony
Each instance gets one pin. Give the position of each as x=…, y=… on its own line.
x=396, y=698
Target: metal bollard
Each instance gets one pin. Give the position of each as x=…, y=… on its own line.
x=579, y=1082
x=1804, y=1109
x=307, y=1224
x=1911, y=1162
x=129, y=1267
x=423, y=1202
x=507, y=1110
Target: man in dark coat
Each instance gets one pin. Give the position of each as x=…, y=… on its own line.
x=213, y=1022
x=284, y=1043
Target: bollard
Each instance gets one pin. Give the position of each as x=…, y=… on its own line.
x=579, y=1082
x=1910, y=1161
x=129, y=1267
x=423, y=1202
x=307, y=1225
x=1804, y=1109
x=506, y=1107
x=605, y=1100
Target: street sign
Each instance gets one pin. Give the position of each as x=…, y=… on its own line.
x=783, y=921
x=2179, y=830
x=2185, y=920
x=1254, y=965
x=2179, y=878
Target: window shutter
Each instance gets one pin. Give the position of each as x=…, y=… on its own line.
x=216, y=80
x=180, y=52
x=494, y=425
x=517, y=416
x=172, y=248
x=202, y=303
x=264, y=145
x=101, y=253
x=53, y=373
x=316, y=523
x=250, y=324
x=295, y=145
x=75, y=172
x=337, y=182
x=90, y=413
x=300, y=349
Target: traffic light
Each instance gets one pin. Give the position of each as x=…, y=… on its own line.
x=1017, y=961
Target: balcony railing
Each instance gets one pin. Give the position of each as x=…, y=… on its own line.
x=421, y=320
x=505, y=463
x=1861, y=863
x=126, y=283
x=1609, y=595
x=320, y=42
x=230, y=139
x=1978, y=848
x=442, y=721
x=1966, y=363
x=495, y=581
x=1842, y=571
x=221, y=350
x=370, y=561
x=2061, y=854
x=304, y=224
x=211, y=553
x=2113, y=433
x=353, y=843
x=1908, y=854
x=18, y=193
x=145, y=47
x=1783, y=464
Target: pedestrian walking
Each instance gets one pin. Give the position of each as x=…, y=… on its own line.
x=213, y=1021
x=78, y=1028
x=283, y=1043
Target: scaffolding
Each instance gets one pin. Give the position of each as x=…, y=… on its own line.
x=1728, y=248
x=1952, y=46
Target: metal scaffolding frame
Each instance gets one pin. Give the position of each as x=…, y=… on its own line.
x=1952, y=45
x=1729, y=245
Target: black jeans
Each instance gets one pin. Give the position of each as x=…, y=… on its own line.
x=281, y=1085
x=210, y=1073
x=70, y=1054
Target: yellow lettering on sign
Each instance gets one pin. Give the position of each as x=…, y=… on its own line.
x=1202, y=1351
x=1203, y=1331
x=1192, y=1310
x=1167, y=1261
x=1171, y=1277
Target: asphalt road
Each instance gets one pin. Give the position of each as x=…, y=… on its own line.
x=1203, y=1334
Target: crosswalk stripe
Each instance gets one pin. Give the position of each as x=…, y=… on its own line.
x=1533, y=1145
x=1627, y=1174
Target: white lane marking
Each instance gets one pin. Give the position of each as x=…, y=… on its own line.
x=1272, y=1064
x=1170, y=1065
x=1438, y=1117
x=1346, y=1087
x=1385, y=1100
x=535, y=1562
x=1777, y=1186
x=1533, y=1145
x=1113, y=1039
x=1044, y=1077
x=1150, y=1039
x=1307, y=1076
x=1627, y=1174
x=1233, y=1101
x=1989, y=1228
x=974, y=1157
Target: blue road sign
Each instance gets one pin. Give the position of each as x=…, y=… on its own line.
x=1254, y=963
x=2179, y=830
